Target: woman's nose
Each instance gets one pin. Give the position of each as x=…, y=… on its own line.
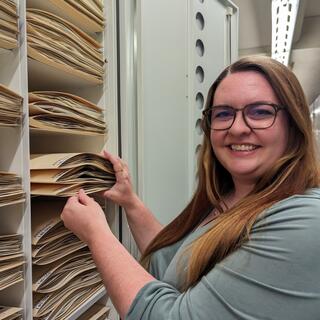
x=239, y=125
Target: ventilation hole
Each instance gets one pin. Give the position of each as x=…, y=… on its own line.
x=200, y=74
x=200, y=20
x=278, y=10
x=290, y=7
x=201, y=1
x=288, y=18
x=287, y=28
x=198, y=127
x=199, y=100
x=277, y=30
x=200, y=47
x=277, y=21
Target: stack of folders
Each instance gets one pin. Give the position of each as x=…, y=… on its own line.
x=96, y=312
x=64, y=174
x=87, y=14
x=9, y=29
x=60, y=44
x=11, y=191
x=10, y=313
x=91, y=9
x=10, y=107
x=64, y=274
x=11, y=260
x=64, y=112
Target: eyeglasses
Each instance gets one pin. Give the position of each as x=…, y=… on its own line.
x=259, y=115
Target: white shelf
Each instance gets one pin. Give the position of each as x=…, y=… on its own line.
x=22, y=74
x=4, y=51
x=47, y=142
x=44, y=77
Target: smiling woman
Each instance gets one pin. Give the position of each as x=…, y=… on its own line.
x=253, y=141
x=238, y=250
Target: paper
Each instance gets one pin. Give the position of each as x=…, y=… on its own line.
x=10, y=277
x=63, y=112
x=89, y=8
x=63, y=174
x=96, y=312
x=10, y=106
x=8, y=24
x=10, y=313
x=57, y=275
x=11, y=260
x=60, y=44
x=10, y=189
x=87, y=14
x=45, y=221
x=55, y=250
x=83, y=285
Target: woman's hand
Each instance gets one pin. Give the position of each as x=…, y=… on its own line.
x=143, y=225
x=84, y=217
x=122, y=192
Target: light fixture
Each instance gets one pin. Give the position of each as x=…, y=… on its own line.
x=284, y=16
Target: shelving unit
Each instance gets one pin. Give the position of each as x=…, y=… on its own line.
x=14, y=143
x=22, y=75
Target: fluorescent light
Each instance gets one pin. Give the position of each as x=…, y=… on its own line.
x=284, y=16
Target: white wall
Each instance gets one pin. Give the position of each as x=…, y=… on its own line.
x=168, y=83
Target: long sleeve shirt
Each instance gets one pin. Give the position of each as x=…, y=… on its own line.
x=275, y=275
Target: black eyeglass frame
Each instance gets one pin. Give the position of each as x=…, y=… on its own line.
x=207, y=115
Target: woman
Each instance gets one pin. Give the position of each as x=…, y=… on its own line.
x=247, y=245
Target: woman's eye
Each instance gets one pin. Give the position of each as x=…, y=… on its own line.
x=222, y=115
x=261, y=111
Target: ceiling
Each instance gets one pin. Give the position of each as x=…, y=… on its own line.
x=255, y=37
x=255, y=20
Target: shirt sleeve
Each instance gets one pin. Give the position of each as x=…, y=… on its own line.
x=274, y=276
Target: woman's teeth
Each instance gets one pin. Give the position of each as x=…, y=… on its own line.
x=243, y=147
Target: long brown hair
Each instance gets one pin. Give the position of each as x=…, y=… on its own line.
x=232, y=227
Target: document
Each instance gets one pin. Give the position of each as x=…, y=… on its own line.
x=63, y=174
x=68, y=298
x=10, y=313
x=46, y=224
x=64, y=112
x=56, y=275
x=8, y=24
x=87, y=14
x=11, y=260
x=96, y=312
x=92, y=9
x=60, y=44
x=10, y=244
x=11, y=191
x=10, y=277
x=10, y=107
x=52, y=251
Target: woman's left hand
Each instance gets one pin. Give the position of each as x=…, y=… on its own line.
x=84, y=217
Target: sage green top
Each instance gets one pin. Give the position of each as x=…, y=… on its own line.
x=274, y=276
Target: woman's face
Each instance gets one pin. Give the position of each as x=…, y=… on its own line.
x=248, y=153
